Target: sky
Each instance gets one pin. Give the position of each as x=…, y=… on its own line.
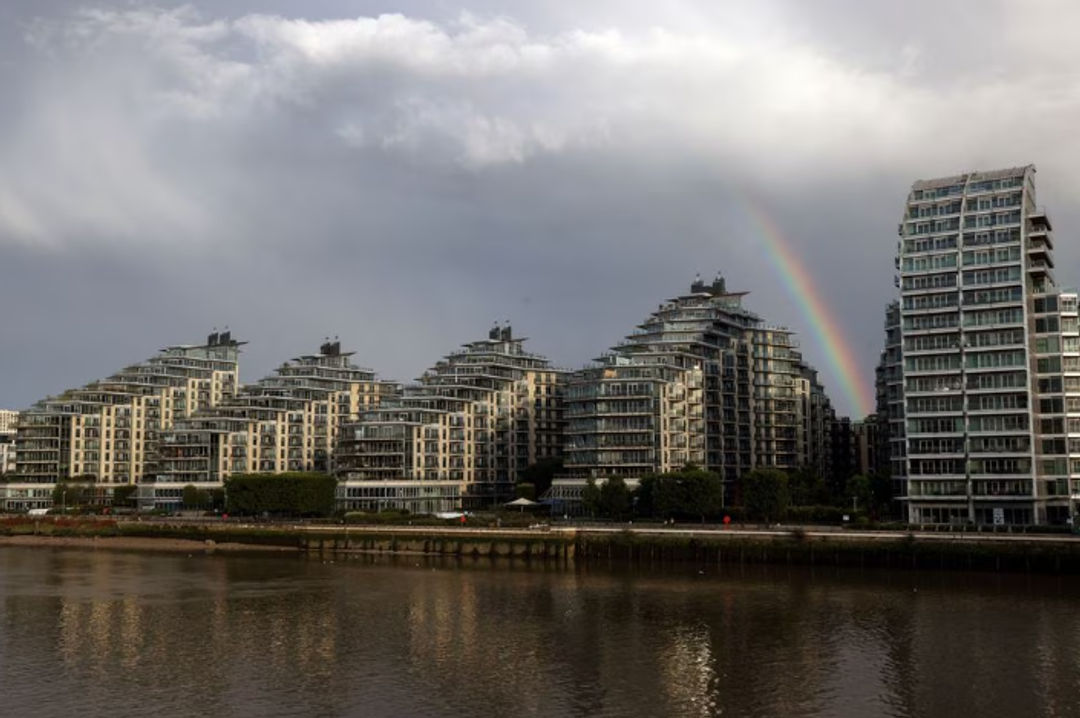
x=402, y=175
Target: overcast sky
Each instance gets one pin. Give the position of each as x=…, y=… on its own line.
x=403, y=174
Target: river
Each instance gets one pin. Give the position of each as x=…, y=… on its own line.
x=120, y=633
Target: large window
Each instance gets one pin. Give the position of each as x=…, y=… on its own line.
x=986, y=237
x=1001, y=465
x=997, y=402
x=934, y=467
x=948, y=425
x=931, y=301
x=929, y=262
x=1005, y=422
x=993, y=296
x=999, y=275
x=983, y=317
x=937, y=362
x=935, y=404
x=992, y=255
x=930, y=281
x=932, y=321
x=983, y=360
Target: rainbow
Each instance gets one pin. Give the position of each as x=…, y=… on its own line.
x=824, y=326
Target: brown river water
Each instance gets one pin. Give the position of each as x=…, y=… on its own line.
x=119, y=633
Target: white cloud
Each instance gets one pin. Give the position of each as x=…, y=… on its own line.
x=478, y=92
x=344, y=157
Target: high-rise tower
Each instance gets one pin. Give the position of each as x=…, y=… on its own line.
x=991, y=373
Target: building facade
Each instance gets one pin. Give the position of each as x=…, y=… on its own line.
x=816, y=419
x=627, y=419
x=287, y=422
x=460, y=436
x=701, y=381
x=107, y=433
x=991, y=374
x=8, y=423
x=891, y=444
x=865, y=442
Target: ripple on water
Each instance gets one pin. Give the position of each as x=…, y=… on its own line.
x=126, y=634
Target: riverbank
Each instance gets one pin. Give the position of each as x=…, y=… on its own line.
x=129, y=543
x=640, y=546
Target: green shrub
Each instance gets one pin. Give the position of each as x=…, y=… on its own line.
x=288, y=494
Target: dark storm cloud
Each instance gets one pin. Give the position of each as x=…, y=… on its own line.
x=404, y=180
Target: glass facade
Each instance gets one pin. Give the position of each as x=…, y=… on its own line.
x=978, y=428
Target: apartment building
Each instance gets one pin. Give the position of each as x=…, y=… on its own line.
x=8, y=422
x=287, y=422
x=816, y=419
x=628, y=419
x=9, y=419
x=891, y=444
x=107, y=432
x=703, y=381
x=865, y=442
x=460, y=436
x=991, y=373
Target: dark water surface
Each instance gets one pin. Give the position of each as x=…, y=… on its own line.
x=132, y=634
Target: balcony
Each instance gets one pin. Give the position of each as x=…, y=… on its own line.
x=1039, y=221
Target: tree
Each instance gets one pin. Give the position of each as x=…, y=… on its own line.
x=288, y=494
x=881, y=489
x=541, y=474
x=68, y=494
x=668, y=499
x=590, y=497
x=765, y=494
x=124, y=495
x=525, y=491
x=702, y=493
x=615, y=498
x=189, y=496
x=807, y=488
x=647, y=495
x=859, y=489
x=688, y=493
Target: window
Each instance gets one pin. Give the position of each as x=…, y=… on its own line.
x=1046, y=324
x=929, y=262
x=993, y=296
x=992, y=276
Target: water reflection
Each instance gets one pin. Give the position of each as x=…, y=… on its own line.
x=121, y=633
